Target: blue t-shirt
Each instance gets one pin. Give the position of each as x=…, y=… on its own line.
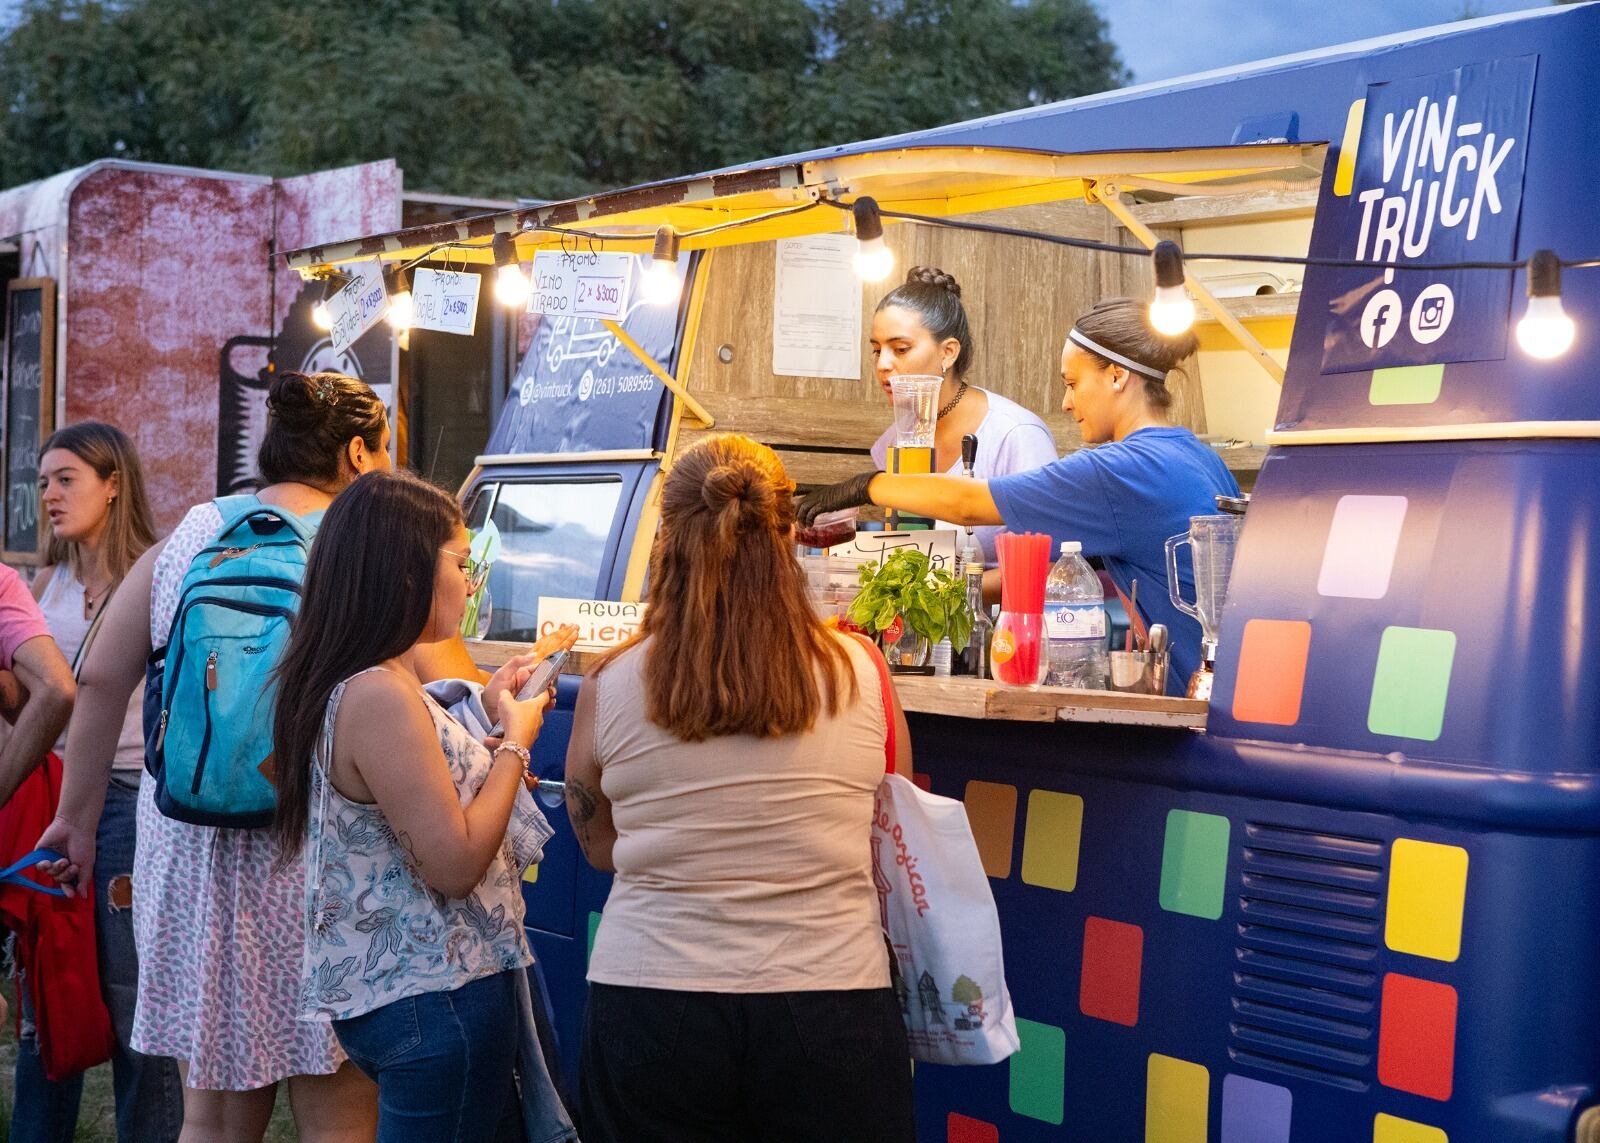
x=1121, y=501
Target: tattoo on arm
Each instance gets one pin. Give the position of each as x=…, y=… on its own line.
x=581, y=808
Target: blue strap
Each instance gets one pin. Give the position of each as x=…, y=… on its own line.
x=14, y=875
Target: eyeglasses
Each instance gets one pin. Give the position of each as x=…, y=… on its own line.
x=475, y=576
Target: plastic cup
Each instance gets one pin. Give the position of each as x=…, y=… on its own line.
x=916, y=404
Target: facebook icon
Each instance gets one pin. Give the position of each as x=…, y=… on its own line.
x=1380, y=321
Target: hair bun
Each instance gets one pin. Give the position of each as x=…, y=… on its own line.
x=738, y=492
x=295, y=401
x=933, y=276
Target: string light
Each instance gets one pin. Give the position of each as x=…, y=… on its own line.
x=1545, y=330
x=401, y=309
x=321, y=315
x=510, y=283
x=874, y=261
x=661, y=284
x=1171, y=310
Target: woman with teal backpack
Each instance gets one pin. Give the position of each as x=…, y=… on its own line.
x=217, y=917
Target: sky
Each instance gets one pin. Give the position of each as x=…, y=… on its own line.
x=1162, y=39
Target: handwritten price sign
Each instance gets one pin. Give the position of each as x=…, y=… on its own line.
x=581, y=284
x=359, y=306
x=445, y=301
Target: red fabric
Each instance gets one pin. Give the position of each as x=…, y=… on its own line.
x=55, y=939
x=888, y=703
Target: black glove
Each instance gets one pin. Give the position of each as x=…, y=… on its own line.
x=851, y=493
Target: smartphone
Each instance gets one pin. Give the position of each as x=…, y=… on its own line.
x=543, y=676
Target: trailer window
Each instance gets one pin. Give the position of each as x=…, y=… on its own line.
x=553, y=542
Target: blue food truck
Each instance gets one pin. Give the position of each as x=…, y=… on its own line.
x=1355, y=895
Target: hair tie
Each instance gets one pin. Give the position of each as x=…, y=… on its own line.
x=1079, y=337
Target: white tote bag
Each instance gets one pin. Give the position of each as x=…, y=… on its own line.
x=939, y=915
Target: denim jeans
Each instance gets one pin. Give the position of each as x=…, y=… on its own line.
x=444, y=1063
x=766, y=1067
x=149, y=1094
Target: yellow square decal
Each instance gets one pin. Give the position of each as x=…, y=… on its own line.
x=1389, y=1129
x=531, y=875
x=1427, y=895
x=1050, y=847
x=1176, y=1097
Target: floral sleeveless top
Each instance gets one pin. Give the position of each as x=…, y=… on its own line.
x=375, y=932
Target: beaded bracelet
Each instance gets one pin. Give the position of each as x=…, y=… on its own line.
x=519, y=750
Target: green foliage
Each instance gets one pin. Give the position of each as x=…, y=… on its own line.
x=933, y=602
x=516, y=97
x=965, y=991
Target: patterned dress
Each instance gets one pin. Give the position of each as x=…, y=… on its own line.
x=219, y=927
x=374, y=931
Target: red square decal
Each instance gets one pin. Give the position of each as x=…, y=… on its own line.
x=960, y=1129
x=1417, y=1036
x=1113, y=954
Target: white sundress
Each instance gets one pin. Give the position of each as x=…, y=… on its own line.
x=219, y=928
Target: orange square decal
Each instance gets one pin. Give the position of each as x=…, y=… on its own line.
x=1272, y=671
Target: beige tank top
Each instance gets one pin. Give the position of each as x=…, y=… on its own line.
x=743, y=864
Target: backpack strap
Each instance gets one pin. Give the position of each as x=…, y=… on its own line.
x=236, y=510
x=15, y=873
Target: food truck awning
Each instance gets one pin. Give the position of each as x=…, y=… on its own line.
x=783, y=200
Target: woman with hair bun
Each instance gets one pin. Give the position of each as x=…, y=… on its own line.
x=921, y=327
x=1121, y=500
x=724, y=765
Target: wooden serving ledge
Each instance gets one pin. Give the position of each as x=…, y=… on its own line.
x=984, y=698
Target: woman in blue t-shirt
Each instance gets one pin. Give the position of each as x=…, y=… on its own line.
x=1120, y=500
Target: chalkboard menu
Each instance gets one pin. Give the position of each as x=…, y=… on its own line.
x=29, y=384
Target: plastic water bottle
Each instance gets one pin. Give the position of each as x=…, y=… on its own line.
x=1075, y=622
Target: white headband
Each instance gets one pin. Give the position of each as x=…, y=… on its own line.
x=1077, y=336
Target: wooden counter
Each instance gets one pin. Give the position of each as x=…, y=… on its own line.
x=981, y=698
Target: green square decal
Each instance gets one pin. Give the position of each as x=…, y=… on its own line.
x=1412, y=682
x=1406, y=385
x=594, y=927
x=1194, y=864
x=1039, y=1071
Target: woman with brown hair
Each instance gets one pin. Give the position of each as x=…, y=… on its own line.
x=91, y=489
x=724, y=765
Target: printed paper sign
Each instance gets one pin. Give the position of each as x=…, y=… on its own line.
x=816, y=308
x=602, y=623
x=1437, y=178
x=578, y=284
x=359, y=306
x=445, y=301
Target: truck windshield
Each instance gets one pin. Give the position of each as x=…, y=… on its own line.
x=553, y=541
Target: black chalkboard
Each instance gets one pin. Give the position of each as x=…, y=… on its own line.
x=29, y=382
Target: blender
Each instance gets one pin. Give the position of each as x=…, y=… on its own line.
x=1212, y=541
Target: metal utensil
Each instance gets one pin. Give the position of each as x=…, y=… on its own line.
x=1158, y=657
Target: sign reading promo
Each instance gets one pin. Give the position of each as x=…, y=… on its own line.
x=359, y=306
x=444, y=300
x=602, y=623
x=580, y=284
x=1437, y=177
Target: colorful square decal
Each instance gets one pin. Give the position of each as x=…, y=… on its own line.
x=992, y=812
x=1050, y=843
x=531, y=874
x=1417, y=1036
x=1411, y=683
x=1406, y=385
x=1272, y=671
x=1255, y=1112
x=1176, y=1096
x=1427, y=896
x=1039, y=1071
x=1113, y=956
x=961, y=1129
x=594, y=927
x=1362, y=540
x=1194, y=864
x=1390, y=1129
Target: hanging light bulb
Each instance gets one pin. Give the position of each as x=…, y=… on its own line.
x=874, y=260
x=1171, y=310
x=510, y=283
x=1545, y=330
x=401, y=309
x=662, y=285
x=321, y=316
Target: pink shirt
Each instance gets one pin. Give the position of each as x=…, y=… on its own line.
x=20, y=617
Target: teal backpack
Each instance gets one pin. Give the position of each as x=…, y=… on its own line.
x=210, y=692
